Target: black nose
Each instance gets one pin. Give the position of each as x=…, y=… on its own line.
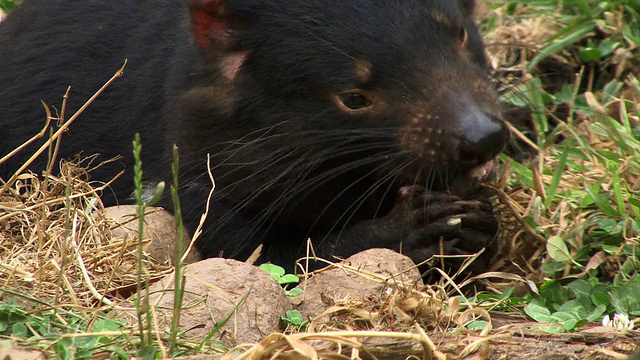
x=482, y=138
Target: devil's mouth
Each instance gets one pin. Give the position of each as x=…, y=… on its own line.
x=482, y=172
x=455, y=180
x=469, y=183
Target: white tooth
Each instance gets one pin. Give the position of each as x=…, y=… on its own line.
x=479, y=172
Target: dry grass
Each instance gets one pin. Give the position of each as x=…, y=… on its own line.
x=56, y=244
x=386, y=325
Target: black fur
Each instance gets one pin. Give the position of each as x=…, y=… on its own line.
x=288, y=162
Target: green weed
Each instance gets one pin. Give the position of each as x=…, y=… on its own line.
x=584, y=182
x=8, y=5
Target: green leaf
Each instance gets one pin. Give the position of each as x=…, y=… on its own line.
x=600, y=297
x=610, y=249
x=607, y=225
x=575, y=33
x=609, y=93
x=557, y=173
x=585, y=8
x=516, y=96
x=557, y=249
x=62, y=349
x=552, y=292
x=106, y=325
x=288, y=279
x=19, y=330
x=567, y=320
x=580, y=288
x=601, y=203
x=293, y=292
x=589, y=54
x=507, y=293
x=608, y=46
x=272, y=269
x=120, y=352
x=553, y=267
x=538, y=313
x=626, y=298
x=294, y=316
x=575, y=308
x=551, y=328
x=148, y=352
x=477, y=325
x=597, y=313
x=617, y=190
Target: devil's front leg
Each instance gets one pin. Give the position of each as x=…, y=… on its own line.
x=422, y=224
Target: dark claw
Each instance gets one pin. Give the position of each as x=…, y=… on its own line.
x=465, y=226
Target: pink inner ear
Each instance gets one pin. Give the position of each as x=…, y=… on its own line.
x=208, y=23
x=231, y=63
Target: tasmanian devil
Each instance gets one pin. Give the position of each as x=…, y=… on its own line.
x=357, y=124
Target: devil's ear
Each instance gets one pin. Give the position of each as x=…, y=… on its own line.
x=214, y=24
x=468, y=7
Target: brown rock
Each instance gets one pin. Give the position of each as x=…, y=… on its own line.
x=214, y=287
x=332, y=285
x=7, y=353
x=159, y=228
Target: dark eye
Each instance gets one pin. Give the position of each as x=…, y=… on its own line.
x=463, y=37
x=354, y=100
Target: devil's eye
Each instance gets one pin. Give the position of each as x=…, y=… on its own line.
x=354, y=100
